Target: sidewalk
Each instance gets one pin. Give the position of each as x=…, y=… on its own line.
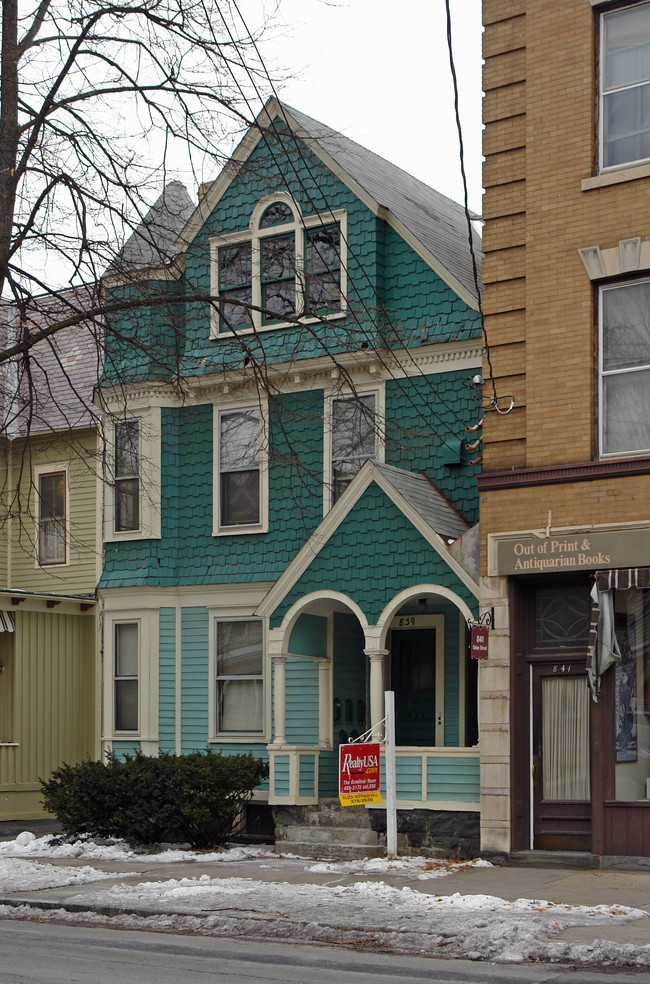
x=260, y=894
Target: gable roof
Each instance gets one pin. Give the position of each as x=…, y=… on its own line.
x=434, y=225
x=419, y=500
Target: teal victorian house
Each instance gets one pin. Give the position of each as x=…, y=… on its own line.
x=290, y=517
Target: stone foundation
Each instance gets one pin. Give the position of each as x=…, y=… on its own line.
x=432, y=833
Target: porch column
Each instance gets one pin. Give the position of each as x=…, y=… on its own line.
x=324, y=702
x=377, y=659
x=279, y=698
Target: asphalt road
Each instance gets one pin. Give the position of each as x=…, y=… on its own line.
x=50, y=953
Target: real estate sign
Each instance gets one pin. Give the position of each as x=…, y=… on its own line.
x=359, y=772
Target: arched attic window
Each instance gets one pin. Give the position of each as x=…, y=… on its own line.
x=288, y=266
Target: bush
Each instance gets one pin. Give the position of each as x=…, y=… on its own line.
x=195, y=798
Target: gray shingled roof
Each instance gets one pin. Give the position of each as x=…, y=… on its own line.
x=423, y=495
x=435, y=221
x=57, y=391
x=154, y=241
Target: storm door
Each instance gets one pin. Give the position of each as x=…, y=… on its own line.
x=560, y=760
x=417, y=679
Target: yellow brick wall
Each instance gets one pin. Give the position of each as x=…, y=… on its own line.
x=540, y=306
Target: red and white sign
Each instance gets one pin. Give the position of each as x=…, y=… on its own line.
x=359, y=772
x=479, y=642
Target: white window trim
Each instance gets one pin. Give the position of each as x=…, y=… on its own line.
x=228, y=738
x=612, y=168
x=263, y=525
x=38, y=471
x=149, y=475
x=255, y=235
x=602, y=374
x=379, y=393
x=147, y=622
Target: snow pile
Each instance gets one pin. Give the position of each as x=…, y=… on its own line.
x=420, y=868
x=28, y=845
x=17, y=875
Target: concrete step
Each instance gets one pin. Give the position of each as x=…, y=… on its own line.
x=554, y=859
x=329, y=852
x=326, y=835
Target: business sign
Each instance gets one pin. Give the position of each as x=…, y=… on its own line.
x=535, y=553
x=359, y=773
x=479, y=642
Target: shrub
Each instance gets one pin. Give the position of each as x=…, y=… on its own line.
x=195, y=798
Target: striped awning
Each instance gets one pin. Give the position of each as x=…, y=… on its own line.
x=7, y=621
x=603, y=645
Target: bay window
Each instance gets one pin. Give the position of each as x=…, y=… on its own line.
x=240, y=677
x=126, y=667
x=127, y=481
x=240, y=459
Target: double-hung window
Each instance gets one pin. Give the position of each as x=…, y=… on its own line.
x=354, y=438
x=240, y=478
x=240, y=677
x=625, y=368
x=286, y=267
x=625, y=86
x=127, y=480
x=52, y=518
x=126, y=643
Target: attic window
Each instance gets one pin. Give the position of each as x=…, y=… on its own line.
x=287, y=267
x=276, y=214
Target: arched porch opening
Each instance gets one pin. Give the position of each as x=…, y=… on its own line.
x=424, y=633
x=320, y=693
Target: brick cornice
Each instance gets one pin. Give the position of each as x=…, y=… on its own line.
x=588, y=471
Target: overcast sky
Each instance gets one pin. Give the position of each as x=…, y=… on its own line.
x=378, y=70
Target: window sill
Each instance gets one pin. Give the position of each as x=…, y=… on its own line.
x=9, y=744
x=310, y=320
x=632, y=173
x=238, y=739
x=240, y=530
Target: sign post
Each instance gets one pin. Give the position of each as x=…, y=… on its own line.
x=391, y=786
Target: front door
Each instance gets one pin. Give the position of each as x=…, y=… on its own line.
x=561, y=797
x=417, y=678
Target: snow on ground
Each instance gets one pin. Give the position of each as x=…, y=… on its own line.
x=379, y=910
x=17, y=875
x=420, y=868
x=28, y=845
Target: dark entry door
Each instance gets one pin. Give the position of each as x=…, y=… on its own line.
x=560, y=757
x=413, y=661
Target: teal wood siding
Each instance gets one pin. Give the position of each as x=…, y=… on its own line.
x=307, y=775
x=426, y=418
x=301, y=701
x=122, y=748
x=194, y=679
x=309, y=636
x=328, y=773
x=188, y=553
x=379, y=552
x=454, y=779
x=167, y=681
x=281, y=775
x=411, y=293
x=409, y=778
x=453, y=660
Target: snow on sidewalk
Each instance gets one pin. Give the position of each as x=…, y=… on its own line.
x=371, y=912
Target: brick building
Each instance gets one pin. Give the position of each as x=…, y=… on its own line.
x=564, y=493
